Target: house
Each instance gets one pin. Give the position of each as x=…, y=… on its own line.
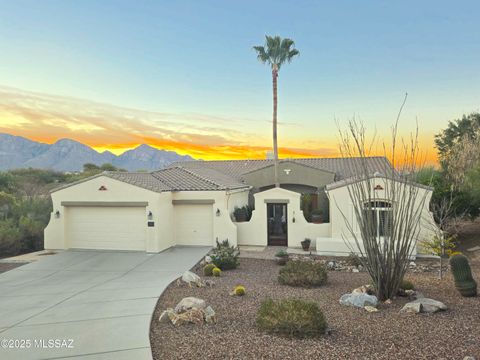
x=192, y=203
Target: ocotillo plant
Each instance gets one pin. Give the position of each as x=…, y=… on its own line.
x=462, y=274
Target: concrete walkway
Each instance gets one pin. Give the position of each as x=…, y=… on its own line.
x=96, y=304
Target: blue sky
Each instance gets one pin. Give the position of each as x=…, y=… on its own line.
x=194, y=57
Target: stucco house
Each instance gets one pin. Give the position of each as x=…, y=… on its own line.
x=192, y=203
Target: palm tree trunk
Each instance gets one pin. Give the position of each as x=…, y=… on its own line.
x=275, y=145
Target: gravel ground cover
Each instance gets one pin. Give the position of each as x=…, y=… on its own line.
x=9, y=266
x=357, y=334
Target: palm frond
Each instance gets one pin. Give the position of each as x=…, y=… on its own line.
x=276, y=51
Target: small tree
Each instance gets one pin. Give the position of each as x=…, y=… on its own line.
x=385, y=257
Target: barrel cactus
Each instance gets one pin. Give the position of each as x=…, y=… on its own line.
x=462, y=274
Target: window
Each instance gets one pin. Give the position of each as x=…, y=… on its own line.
x=378, y=217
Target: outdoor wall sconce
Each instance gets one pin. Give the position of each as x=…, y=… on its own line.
x=293, y=217
x=217, y=212
x=57, y=214
x=150, y=215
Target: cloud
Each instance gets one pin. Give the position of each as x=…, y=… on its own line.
x=48, y=118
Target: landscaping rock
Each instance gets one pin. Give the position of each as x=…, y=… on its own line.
x=364, y=289
x=189, y=277
x=370, y=309
x=167, y=315
x=359, y=300
x=424, y=305
x=209, y=283
x=190, y=303
x=210, y=316
x=194, y=316
x=208, y=259
x=412, y=308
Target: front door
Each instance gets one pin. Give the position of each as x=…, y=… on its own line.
x=277, y=224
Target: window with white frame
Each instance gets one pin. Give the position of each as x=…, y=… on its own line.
x=378, y=215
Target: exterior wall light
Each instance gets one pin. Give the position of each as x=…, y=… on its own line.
x=217, y=212
x=57, y=214
x=150, y=215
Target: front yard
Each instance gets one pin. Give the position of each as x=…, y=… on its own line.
x=356, y=333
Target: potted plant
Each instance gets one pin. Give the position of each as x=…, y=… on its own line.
x=317, y=216
x=281, y=257
x=306, y=244
x=240, y=214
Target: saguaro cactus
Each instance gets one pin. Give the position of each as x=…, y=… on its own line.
x=462, y=274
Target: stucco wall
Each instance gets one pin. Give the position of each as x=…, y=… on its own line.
x=159, y=237
x=254, y=232
x=341, y=207
x=117, y=191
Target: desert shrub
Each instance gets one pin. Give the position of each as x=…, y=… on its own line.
x=291, y=317
x=281, y=253
x=208, y=269
x=216, y=272
x=10, y=238
x=407, y=285
x=225, y=256
x=303, y=273
x=354, y=260
x=239, y=290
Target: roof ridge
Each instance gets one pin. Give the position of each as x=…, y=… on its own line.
x=200, y=177
x=154, y=174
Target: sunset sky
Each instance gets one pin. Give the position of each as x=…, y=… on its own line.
x=182, y=75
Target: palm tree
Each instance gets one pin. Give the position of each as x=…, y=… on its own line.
x=276, y=52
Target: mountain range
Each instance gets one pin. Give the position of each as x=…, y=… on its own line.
x=69, y=155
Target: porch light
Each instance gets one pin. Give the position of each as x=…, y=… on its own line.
x=57, y=214
x=150, y=215
x=217, y=212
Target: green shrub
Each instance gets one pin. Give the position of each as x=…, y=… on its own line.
x=208, y=269
x=216, y=272
x=281, y=253
x=291, y=317
x=10, y=238
x=225, y=256
x=407, y=285
x=303, y=273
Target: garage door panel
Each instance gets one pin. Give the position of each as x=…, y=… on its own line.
x=194, y=225
x=106, y=228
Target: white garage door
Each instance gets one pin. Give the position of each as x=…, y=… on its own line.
x=109, y=228
x=193, y=225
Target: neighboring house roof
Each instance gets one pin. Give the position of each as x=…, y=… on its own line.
x=342, y=167
x=171, y=179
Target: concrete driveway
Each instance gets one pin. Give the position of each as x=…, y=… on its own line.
x=95, y=304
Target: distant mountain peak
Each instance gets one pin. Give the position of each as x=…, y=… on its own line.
x=70, y=155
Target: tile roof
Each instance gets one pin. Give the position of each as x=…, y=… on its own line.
x=342, y=167
x=178, y=178
x=174, y=178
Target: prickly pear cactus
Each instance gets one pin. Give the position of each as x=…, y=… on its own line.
x=462, y=274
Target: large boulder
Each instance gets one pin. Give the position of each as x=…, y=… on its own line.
x=190, y=277
x=359, y=300
x=424, y=305
x=190, y=303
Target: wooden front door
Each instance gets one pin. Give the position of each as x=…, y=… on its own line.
x=277, y=224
